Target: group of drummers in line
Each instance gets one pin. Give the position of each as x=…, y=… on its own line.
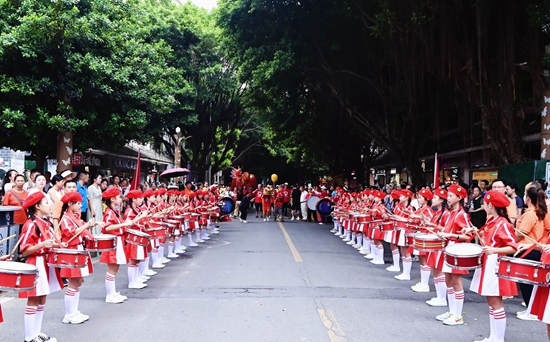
x=151, y=222
x=448, y=246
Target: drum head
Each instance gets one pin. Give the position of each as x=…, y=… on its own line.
x=324, y=207
x=312, y=202
x=16, y=266
x=464, y=249
x=227, y=205
x=104, y=237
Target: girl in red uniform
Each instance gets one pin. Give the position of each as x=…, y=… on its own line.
x=392, y=236
x=37, y=239
x=72, y=225
x=134, y=253
x=425, y=211
x=113, y=225
x=458, y=221
x=438, y=223
x=403, y=210
x=377, y=248
x=498, y=240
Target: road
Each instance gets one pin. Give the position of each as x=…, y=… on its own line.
x=265, y=281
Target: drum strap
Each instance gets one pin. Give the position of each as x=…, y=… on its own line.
x=531, y=248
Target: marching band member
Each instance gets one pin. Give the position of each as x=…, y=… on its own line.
x=135, y=254
x=37, y=239
x=113, y=225
x=438, y=223
x=498, y=239
x=458, y=220
x=163, y=207
x=144, y=264
x=377, y=235
x=191, y=225
x=71, y=226
x=425, y=211
x=389, y=236
x=403, y=210
x=200, y=204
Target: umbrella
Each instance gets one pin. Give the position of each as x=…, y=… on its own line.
x=175, y=172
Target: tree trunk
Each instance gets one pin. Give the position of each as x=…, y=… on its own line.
x=40, y=160
x=64, y=151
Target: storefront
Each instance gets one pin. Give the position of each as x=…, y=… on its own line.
x=488, y=175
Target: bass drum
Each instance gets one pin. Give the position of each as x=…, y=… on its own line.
x=227, y=205
x=312, y=202
x=324, y=207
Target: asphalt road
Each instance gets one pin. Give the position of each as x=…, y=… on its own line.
x=263, y=281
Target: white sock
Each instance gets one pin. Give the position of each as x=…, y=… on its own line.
x=198, y=234
x=359, y=238
x=367, y=243
x=492, y=323
x=69, y=301
x=353, y=237
x=440, y=288
x=141, y=267
x=154, y=256
x=76, y=299
x=459, y=303
x=425, y=275
x=110, y=284
x=30, y=323
x=395, y=255
x=499, y=324
x=451, y=299
x=177, y=243
x=190, y=237
x=170, y=247
x=380, y=252
x=348, y=234
x=160, y=253
x=132, y=273
x=38, y=319
x=407, y=265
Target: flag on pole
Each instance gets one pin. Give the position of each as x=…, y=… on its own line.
x=137, y=172
x=436, y=172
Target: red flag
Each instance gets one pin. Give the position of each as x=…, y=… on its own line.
x=137, y=171
x=436, y=172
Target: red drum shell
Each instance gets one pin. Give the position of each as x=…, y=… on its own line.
x=67, y=258
x=156, y=233
x=409, y=239
x=399, y=225
x=17, y=276
x=362, y=218
x=100, y=243
x=135, y=237
x=524, y=271
x=386, y=226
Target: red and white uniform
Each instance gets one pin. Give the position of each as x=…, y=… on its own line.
x=458, y=220
x=49, y=280
x=540, y=298
x=118, y=255
x=428, y=212
x=433, y=259
x=498, y=233
x=374, y=232
x=68, y=226
x=397, y=237
x=134, y=252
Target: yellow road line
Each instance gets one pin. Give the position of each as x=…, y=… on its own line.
x=293, y=250
x=335, y=332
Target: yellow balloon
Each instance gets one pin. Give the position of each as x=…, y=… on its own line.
x=274, y=177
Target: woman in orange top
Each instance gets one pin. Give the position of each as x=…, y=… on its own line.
x=15, y=197
x=532, y=224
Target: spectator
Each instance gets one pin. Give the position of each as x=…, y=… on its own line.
x=303, y=203
x=258, y=194
x=48, y=176
x=239, y=194
x=94, y=198
x=500, y=186
x=478, y=216
x=15, y=197
x=116, y=183
x=245, y=202
x=67, y=174
x=484, y=186
x=104, y=185
x=31, y=175
x=512, y=191
x=9, y=180
x=295, y=194
x=82, y=188
x=39, y=186
x=56, y=191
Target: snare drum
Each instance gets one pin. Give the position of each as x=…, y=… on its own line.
x=463, y=256
x=361, y=218
x=187, y=216
x=67, y=258
x=400, y=224
x=386, y=226
x=156, y=232
x=205, y=215
x=524, y=271
x=100, y=243
x=17, y=276
x=409, y=239
x=428, y=242
x=171, y=227
x=135, y=237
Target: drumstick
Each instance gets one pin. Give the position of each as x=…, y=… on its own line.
x=16, y=245
x=479, y=236
x=528, y=237
x=8, y=238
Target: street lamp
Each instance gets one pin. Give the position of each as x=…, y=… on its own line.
x=180, y=141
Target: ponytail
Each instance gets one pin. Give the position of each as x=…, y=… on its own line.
x=537, y=197
x=501, y=211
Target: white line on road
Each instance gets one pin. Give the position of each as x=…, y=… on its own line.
x=293, y=250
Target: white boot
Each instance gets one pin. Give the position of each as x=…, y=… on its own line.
x=191, y=243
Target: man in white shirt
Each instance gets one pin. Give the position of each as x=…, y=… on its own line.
x=303, y=203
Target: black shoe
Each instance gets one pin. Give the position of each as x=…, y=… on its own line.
x=256, y=216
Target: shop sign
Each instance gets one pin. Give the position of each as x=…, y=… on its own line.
x=124, y=164
x=486, y=174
